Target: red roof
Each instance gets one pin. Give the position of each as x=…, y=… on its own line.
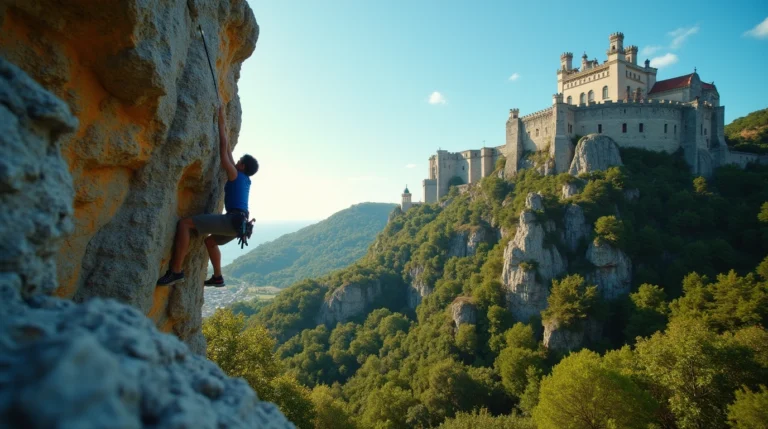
x=677, y=83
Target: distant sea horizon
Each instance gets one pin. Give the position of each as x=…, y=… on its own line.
x=263, y=232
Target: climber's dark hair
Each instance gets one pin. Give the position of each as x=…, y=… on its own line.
x=250, y=165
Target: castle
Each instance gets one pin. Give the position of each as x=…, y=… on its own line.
x=618, y=98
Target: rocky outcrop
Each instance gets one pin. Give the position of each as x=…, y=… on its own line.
x=575, y=228
x=418, y=289
x=563, y=340
x=463, y=311
x=97, y=364
x=569, y=190
x=613, y=269
x=348, y=301
x=530, y=264
x=595, y=152
x=145, y=154
x=631, y=194
x=464, y=243
x=478, y=236
x=458, y=245
x=539, y=162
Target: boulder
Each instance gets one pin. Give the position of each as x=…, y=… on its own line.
x=458, y=245
x=418, y=289
x=530, y=265
x=463, y=311
x=563, y=340
x=348, y=301
x=613, y=269
x=145, y=154
x=96, y=364
x=569, y=190
x=575, y=228
x=631, y=194
x=594, y=152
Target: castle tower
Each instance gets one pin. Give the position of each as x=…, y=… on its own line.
x=631, y=54
x=406, y=204
x=514, y=144
x=566, y=61
x=584, y=61
x=616, y=46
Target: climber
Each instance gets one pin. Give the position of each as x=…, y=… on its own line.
x=222, y=228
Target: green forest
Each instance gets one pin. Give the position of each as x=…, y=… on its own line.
x=685, y=348
x=749, y=133
x=313, y=251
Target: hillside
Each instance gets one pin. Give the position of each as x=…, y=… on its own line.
x=313, y=251
x=482, y=301
x=749, y=133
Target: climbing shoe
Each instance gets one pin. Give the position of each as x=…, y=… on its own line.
x=215, y=281
x=170, y=278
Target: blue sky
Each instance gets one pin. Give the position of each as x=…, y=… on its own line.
x=336, y=97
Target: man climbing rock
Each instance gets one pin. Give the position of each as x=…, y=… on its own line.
x=222, y=228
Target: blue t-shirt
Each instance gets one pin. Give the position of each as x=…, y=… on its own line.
x=236, y=192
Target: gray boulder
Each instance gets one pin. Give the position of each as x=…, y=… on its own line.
x=569, y=190
x=564, y=340
x=613, y=269
x=594, y=152
x=145, y=153
x=97, y=364
x=463, y=312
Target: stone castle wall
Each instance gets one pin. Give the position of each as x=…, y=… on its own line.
x=538, y=130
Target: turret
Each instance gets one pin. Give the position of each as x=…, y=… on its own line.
x=557, y=98
x=514, y=113
x=406, y=204
x=584, y=61
x=566, y=61
x=616, y=43
x=631, y=54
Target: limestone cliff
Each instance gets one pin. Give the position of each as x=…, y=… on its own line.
x=348, y=301
x=463, y=311
x=566, y=339
x=94, y=365
x=417, y=289
x=529, y=263
x=134, y=74
x=595, y=152
x=613, y=269
x=575, y=228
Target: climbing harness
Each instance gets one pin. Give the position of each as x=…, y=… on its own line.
x=243, y=226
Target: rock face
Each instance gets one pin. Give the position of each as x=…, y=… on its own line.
x=145, y=152
x=613, y=269
x=347, y=302
x=529, y=265
x=575, y=227
x=97, y=364
x=478, y=236
x=465, y=243
x=565, y=340
x=458, y=245
x=463, y=311
x=569, y=190
x=418, y=288
x=595, y=152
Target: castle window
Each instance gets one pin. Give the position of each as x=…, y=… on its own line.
x=570, y=100
x=675, y=129
x=641, y=127
x=599, y=128
x=591, y=96
x=665, y=128
x=605, y=92
x=705, y=131
x=537, y=132
x=623, y=128
x=582, y=98
x=701, y=129
x=628, y=91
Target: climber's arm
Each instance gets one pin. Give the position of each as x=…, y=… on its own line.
x=227, y=162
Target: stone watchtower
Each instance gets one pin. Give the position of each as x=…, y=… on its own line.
x=406, y=204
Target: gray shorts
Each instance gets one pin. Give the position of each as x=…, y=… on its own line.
x=219, y=226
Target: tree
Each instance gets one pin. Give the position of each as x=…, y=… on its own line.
x=649, y=312
x=582, y=393
x=245, y=351
x=387, y=408
x=330, y=411
x=750, y=410
x=483, y=419
x=763, y=215
x=610, y=230
x=513, y=364
x=700, y=185
x=570, y=301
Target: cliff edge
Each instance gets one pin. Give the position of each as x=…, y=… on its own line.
x=135, y=76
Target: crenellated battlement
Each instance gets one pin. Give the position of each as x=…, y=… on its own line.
x=540, y=113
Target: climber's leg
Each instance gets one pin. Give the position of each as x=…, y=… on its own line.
x=215, y=254
x=181, y=245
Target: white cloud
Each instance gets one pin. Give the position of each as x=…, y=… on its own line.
x=436, y=98
x=760, y=31
x=680, y=35
x=650, y=50
x=514, y=77
x=665, y=60
x=410, y=166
